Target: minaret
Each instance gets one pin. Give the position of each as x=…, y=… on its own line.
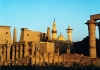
x=69, y=31
x=48, y=33
x=54, y=31
x=14, y=35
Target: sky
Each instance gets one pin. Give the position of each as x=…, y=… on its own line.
x=37, y=15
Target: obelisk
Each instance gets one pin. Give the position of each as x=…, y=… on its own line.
x=14, y=35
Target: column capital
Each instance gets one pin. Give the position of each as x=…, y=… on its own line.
x=91, y=22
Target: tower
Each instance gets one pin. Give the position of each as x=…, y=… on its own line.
x=69, y=31
x=5, y=34
x=14, y=35
x=48, y=33
x=54, y=31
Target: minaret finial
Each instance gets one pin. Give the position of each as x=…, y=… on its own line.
x=54, y=19
x=60, y=33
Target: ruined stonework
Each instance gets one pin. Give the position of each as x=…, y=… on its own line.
x=5, y=34
x=33, y=49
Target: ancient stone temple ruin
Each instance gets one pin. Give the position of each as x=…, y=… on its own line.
x=37, y=48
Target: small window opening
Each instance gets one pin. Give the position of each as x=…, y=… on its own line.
x=27, y=34
x=6, y=32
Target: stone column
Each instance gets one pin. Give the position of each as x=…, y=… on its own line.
x=13, y=53
x=17, y=51
x=33, y=49
x=8, y=52
x=92, y=39
x=26, y=48
x=58, y=51
x=54, y=59
x=48, y=59
x=58, y=59
x=63, y=59
x=21, y=51
x=1, y=49
x=4, y=52
x=40, y=60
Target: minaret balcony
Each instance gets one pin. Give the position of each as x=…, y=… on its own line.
x=54, y=31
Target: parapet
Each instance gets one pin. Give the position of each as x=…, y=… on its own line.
x=4, y=26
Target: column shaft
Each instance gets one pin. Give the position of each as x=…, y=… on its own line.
x=21, y=51
x=26, y=48
x=17, y=51
x=1, y=58
x=13, y=53
x=4, y=52
x=8, y=52
x=33, y=49
x=92, y=38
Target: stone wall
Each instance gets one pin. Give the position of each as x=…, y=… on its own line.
x=28, y=35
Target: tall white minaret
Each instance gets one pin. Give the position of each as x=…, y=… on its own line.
x=54, y=31
x=69, y=32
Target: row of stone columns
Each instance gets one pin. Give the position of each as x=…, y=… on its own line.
x=18, y=51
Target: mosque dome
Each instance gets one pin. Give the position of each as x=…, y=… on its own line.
x=61, y=37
